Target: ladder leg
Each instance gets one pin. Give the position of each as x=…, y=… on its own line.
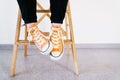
x=25, y=46
x=75, y=58
x=14, y=57
x=66, y=25
x=15, y=49
x=72, y=38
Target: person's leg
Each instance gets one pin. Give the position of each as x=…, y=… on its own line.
x=28, y=11
x=58, y=10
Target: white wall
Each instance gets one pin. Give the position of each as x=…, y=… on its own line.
x=95, y=21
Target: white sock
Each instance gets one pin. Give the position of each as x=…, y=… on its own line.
x=30, y=24
x=56, y=24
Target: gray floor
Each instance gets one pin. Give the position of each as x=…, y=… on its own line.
x=94, y=64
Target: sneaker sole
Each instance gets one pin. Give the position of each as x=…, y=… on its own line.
x=47, y=52
x=56, y=58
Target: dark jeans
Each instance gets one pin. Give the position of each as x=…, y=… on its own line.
x=28, y=10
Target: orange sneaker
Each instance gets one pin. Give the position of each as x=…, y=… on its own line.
x=57, y=41
x=41, y=41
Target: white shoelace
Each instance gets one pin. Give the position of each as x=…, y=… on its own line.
x=56, y=35
x=37, y=37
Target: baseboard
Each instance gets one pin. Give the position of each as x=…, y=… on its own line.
x=117, y=45
x=9, y=46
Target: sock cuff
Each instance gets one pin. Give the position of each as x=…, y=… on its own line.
x=56, y=24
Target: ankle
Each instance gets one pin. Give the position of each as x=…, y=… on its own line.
x=31, y=25
x=56, y=24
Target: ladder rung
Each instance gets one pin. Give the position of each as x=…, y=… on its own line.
x=43, y=11
x=47, y=11
x=67, y=41
x=26, y=42
x=46, y=33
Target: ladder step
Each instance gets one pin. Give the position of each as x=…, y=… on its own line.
x=46, y=33
x=47, y=11
x=43, y=11
x=26, y=42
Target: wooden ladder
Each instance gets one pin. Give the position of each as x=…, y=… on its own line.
x=68, y=33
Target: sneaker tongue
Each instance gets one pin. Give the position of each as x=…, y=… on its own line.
x=57, y=27
x=32, y=27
